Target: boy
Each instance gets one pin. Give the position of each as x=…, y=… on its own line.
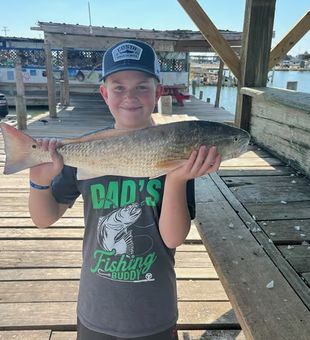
x=132, y=225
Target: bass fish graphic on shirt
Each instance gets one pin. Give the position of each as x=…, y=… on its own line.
x=113, y=233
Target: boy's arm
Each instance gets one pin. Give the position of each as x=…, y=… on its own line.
x=174, y=222
x=43, y=208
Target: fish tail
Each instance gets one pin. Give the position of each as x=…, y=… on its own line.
x=18, y=149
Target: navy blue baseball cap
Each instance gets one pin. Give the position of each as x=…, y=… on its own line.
x=130, y=55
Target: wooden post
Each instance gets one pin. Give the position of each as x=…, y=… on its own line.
x=65, y=77
x=256, y=43
x=194, y=84
x=165, y=105
x=50, y=81
x=219, y=84
x=21, y=110
x=62, y=92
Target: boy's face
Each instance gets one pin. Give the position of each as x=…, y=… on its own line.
x=131, y=97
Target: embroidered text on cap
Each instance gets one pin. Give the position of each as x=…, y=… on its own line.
x=127, y=51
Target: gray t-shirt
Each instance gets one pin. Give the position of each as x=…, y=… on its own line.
x=128, y=283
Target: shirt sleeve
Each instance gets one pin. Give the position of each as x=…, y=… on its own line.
x=64, y=186
x=190, y=192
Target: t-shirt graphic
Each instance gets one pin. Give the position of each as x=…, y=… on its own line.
x=117, y=259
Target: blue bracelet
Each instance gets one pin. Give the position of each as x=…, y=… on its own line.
x=39, y=187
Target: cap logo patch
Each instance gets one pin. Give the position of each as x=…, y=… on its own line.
x=127, y=51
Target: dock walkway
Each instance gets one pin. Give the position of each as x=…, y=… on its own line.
x=39, y=273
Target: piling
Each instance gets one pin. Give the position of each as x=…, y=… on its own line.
x=219, y=84
x=165, y=105
x=50, y=81
x=21, y=109
x=194, y=84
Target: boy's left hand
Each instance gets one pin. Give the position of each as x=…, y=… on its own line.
x=200, y=163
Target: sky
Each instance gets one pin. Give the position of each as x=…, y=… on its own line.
x=18, y=16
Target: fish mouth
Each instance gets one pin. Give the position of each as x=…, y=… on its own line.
x=243, y=146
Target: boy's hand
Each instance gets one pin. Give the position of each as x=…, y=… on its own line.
x=200, y=163
x=44, y=173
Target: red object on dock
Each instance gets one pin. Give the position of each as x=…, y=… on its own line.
x=174, y=91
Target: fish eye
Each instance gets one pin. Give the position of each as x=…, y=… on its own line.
x=33, y=146
x=236, y=139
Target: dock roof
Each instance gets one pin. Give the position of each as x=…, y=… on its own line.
x=82, y=36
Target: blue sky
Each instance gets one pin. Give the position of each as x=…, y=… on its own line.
x=19, y=15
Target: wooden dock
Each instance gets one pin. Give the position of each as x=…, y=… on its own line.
x=39, y=273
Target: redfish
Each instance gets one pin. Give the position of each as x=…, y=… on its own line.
x=148, y=152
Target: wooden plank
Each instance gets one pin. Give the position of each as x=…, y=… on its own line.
x=42, y=245
x=54, y=274
x=17, y=222
x=286, y=141
x=63, y=336
x=212, y=35
x=211, y=334
x=39, y=274
x=62, y=315
x=66, y=291
x=281, y=189
x=287, y=231
x=279, y=181
x=243, y=162
x=278, y=211
x=25, y=214
x=63, y=233
x=306, y=277
x=69, y=245
x=254, y=171
x=35, y=233
x=245, y=270
x=26, y=335
x=182, y=334
x=54, y=259
x=120, y=33
x=290, y=39
x=298, y=256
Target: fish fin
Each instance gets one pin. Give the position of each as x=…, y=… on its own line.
x=167, y=166
x=171, y=165
x=18, y=149
x=95, y=136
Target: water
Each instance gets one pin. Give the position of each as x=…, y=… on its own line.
x=228, y=96
x=32, y=111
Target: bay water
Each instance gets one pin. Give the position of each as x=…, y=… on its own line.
x=228, y=97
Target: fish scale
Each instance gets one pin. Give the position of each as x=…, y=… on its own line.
x=147, y=152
